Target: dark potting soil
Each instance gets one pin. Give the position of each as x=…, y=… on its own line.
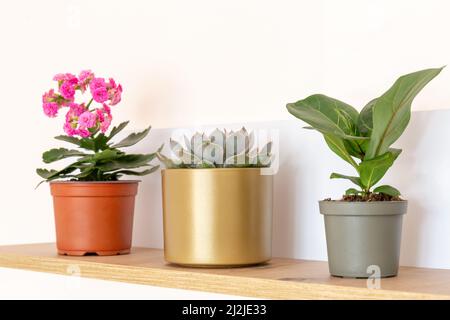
x=368, y=198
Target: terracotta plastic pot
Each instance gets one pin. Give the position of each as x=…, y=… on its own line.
x=94, y=217
x=217, y=217
x=363, y=238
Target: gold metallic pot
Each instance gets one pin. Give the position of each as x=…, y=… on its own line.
x=217, y=217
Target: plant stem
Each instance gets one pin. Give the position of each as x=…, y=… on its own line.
x=89, y=103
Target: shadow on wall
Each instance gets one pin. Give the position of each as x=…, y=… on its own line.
x=422, y=174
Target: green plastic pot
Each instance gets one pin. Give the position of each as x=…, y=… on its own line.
x=363, y=237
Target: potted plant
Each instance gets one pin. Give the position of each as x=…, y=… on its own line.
x=217, y=202
x=93, y=207
x=363, y=229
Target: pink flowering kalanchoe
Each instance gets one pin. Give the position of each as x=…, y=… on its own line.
x=83, y=118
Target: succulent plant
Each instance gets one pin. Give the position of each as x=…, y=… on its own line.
x=220, y=149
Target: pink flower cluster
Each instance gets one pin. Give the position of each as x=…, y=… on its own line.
x=81, y=119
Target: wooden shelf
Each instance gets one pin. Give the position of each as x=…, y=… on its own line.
x=279, y=279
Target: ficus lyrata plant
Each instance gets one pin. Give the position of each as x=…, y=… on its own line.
x=364, y=139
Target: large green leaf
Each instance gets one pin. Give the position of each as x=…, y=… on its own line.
x=352, y=191
x=132, y=139
x=365, y=121
x=327, y=115
x=392, y=111
x=389, y=190
x=371, y=171
x=355, y=148
x=59, y=154
x=337, y=145
x=355, y=180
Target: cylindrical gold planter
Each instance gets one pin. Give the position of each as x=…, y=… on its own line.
x=217, y=217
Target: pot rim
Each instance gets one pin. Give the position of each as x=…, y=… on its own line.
x=213, y=169
x=96, y=182
x=359, y=208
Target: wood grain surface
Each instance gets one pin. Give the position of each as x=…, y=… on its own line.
x=278, y=279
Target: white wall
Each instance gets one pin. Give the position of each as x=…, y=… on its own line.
x=186, y=63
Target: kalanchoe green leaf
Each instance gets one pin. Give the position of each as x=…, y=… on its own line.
x=59, y=154
x=100, y=142
x=106, y=155
x=88, y=144
x=85, y=172
x=73, y=140
x=129, y=161
x=136, y=173
x=44, y=173
x=117, y=129
x=132, y=139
